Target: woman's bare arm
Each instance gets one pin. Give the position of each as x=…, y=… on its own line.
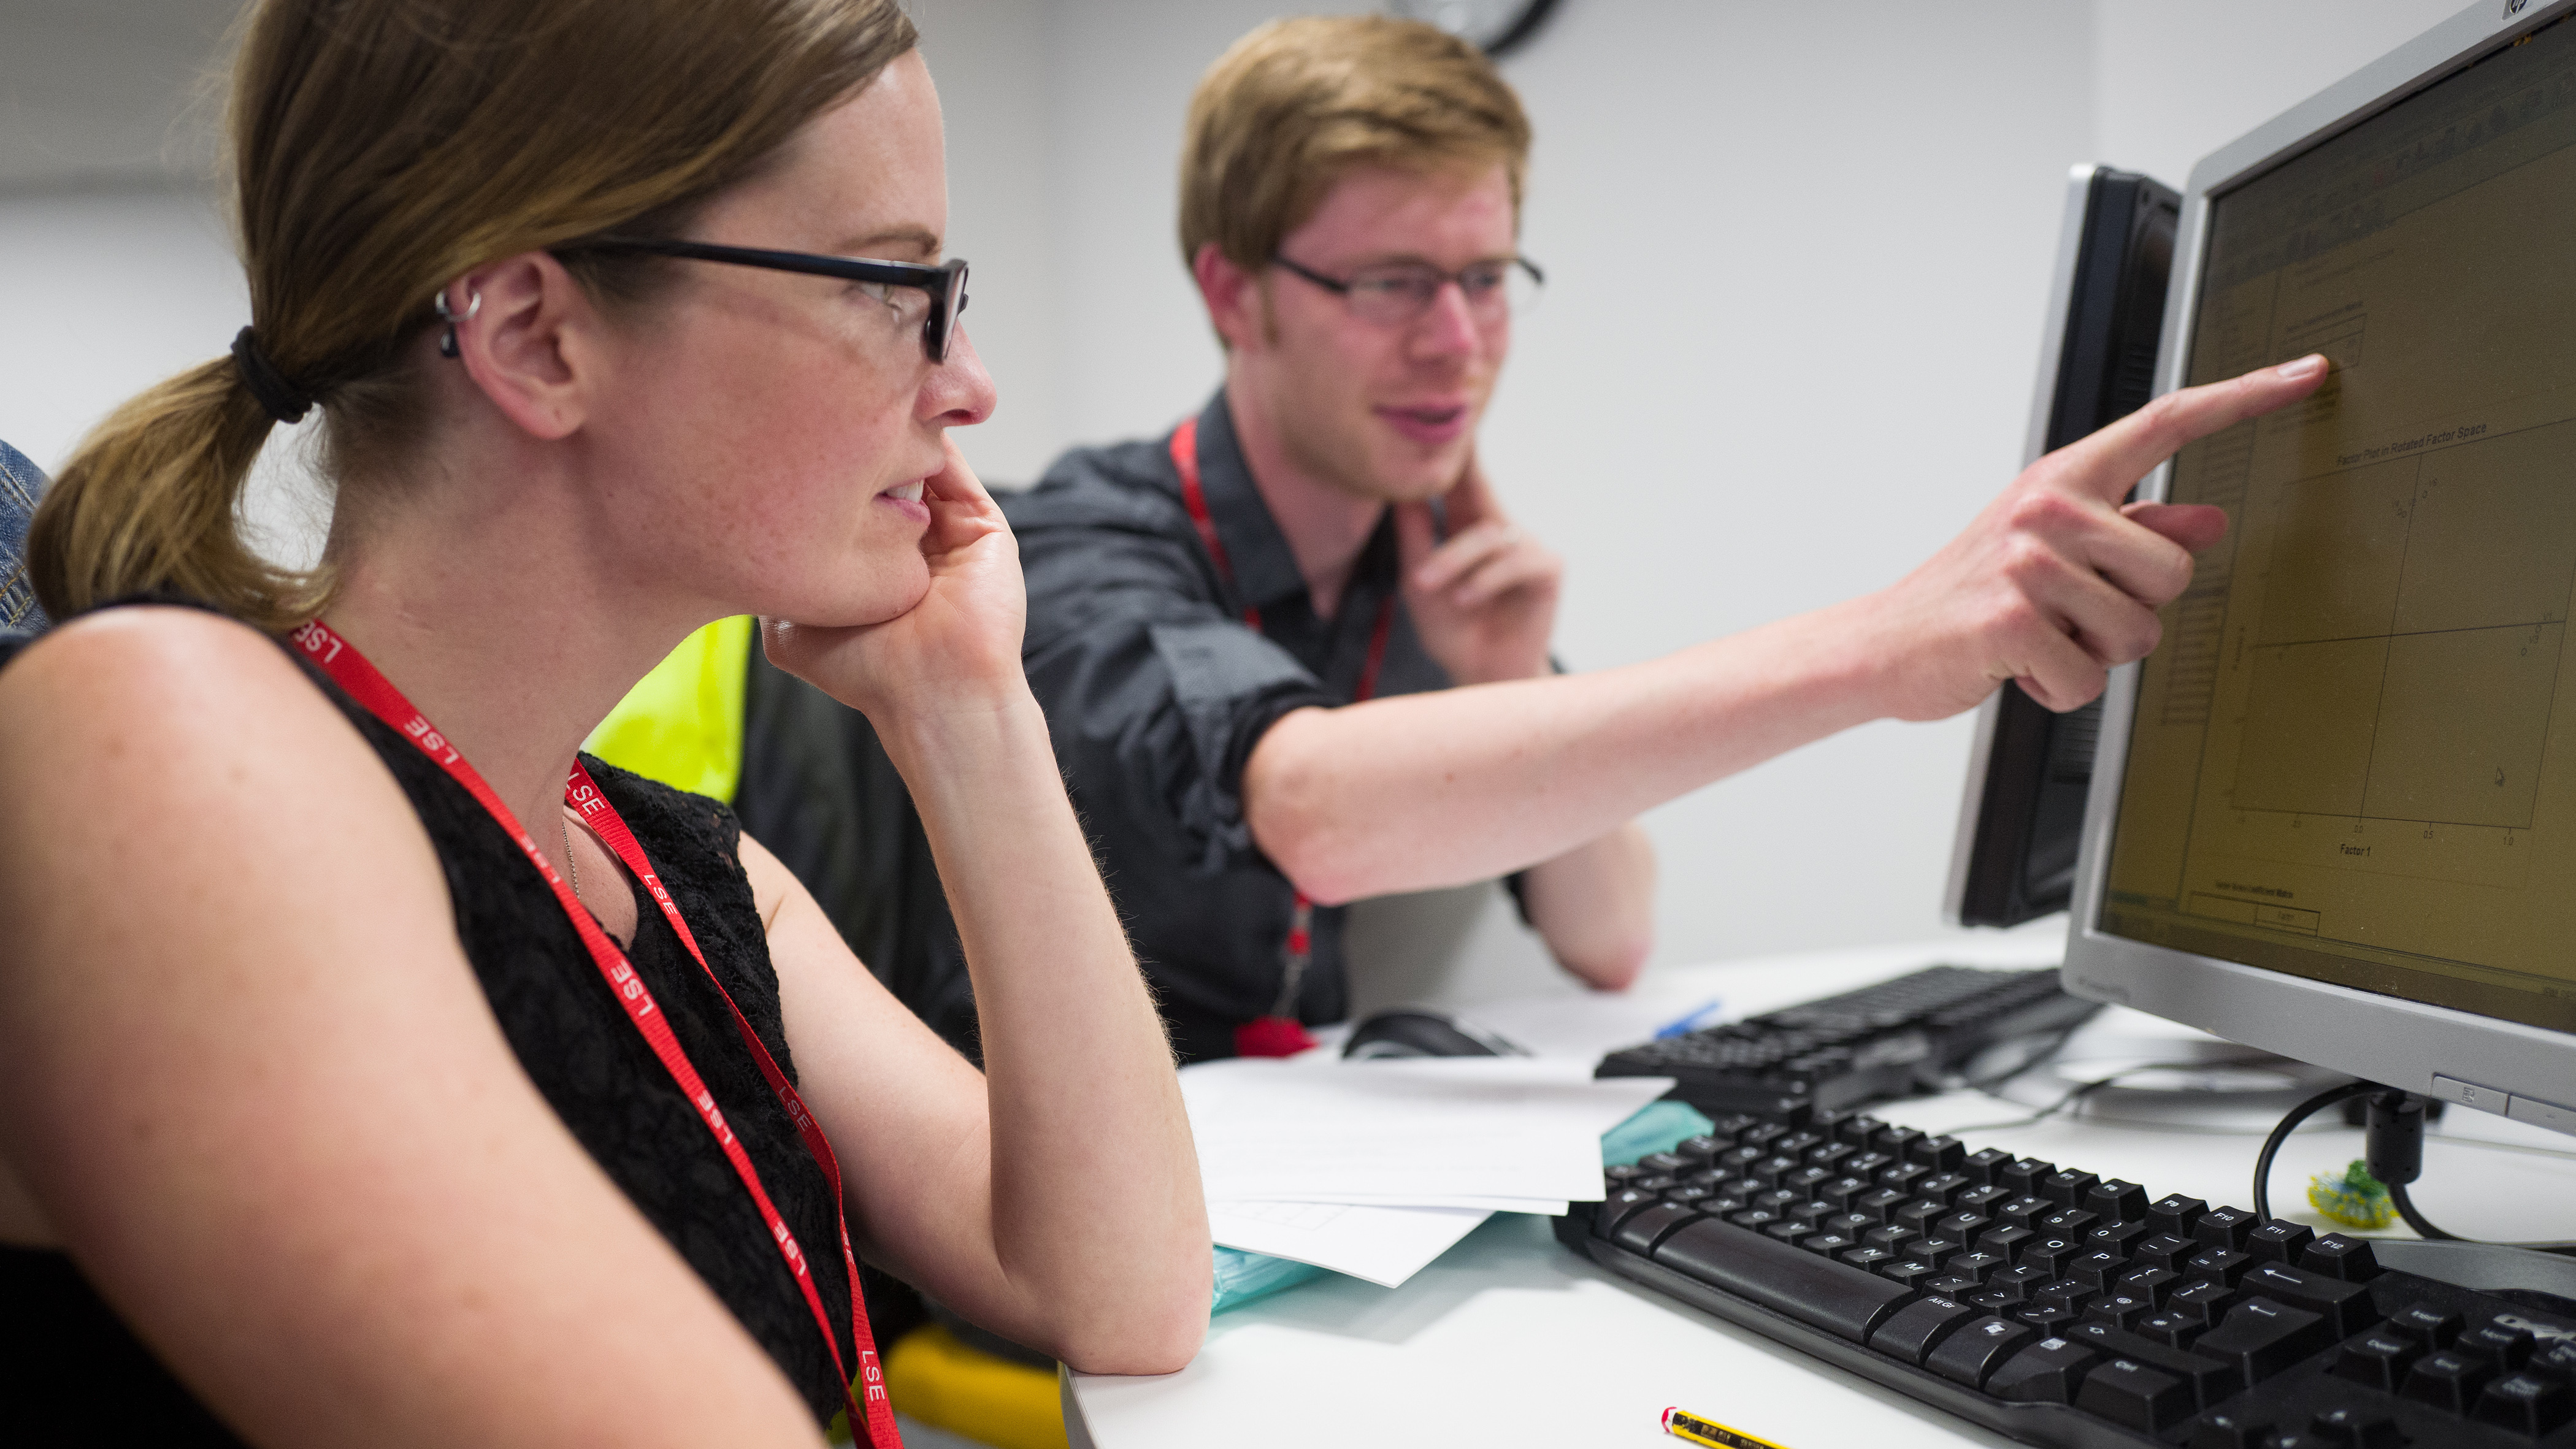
x=1055, y=1198
x=249, y=1079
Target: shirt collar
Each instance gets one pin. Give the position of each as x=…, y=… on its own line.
x=1265, y=569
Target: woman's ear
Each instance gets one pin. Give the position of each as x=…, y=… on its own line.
x=532, y=344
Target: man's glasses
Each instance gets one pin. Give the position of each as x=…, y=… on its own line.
x=1397, y=294
x=944, y=284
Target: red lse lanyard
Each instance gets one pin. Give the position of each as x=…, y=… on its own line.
x=1279, y=1034
x=341, y=660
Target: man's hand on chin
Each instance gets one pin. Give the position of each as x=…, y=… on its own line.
x=1484, y=599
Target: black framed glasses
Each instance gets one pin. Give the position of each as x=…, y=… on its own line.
x=945, y=283
x=1399, y=293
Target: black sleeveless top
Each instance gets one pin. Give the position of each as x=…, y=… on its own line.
x=71, y=1372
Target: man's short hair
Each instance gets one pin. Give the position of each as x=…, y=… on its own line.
x=1292, y=106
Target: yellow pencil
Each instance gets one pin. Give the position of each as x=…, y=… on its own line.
x=1693, y=1429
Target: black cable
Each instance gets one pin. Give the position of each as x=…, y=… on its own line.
x=2281, y=1133
x=2414, y=1219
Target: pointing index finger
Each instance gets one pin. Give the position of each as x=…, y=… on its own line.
x=2110, y=462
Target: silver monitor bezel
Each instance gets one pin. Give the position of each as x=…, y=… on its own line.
x=2525, y=1072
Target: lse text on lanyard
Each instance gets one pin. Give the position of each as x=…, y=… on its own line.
x=351, y=671
x=1279, y=1034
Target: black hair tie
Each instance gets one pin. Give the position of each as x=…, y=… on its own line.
x=283, y=400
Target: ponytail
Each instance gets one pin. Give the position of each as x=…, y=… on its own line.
x=150, y=503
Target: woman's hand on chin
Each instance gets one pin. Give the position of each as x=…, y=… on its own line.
x=958, y=648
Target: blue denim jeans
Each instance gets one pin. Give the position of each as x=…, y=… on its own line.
x=20, y=486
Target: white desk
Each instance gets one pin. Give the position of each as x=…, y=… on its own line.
x=1510, y=1340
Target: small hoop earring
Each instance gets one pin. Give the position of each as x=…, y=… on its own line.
x=473, y=304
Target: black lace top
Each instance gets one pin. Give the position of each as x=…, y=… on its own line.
x=66, y=1360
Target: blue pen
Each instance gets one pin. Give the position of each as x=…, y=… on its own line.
x=1692, y=1020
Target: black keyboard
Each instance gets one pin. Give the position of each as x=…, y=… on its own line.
x=2061, y=1308
x=1889, y=1040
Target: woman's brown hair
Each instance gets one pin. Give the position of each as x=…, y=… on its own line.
x=380, y=149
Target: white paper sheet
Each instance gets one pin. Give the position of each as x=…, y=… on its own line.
x=1384, y=1245
x=1437, y=1130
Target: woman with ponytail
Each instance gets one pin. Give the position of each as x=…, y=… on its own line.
x=372, y=1068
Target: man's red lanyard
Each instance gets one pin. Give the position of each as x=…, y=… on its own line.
x=342, y=661
x=1279, y=1034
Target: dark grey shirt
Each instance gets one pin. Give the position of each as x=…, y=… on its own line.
x=1156, y=689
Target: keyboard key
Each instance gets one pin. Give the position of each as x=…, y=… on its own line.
x=1856, y=1129
x=1880, y=1201
x=2052, y=1251
x=1981, y=1199
x=2099, y=1268
x=1790, y=1230
x=2175, y=1214
x=2446, y=1380
x=2022, y=1172
x=2230, y=1431
x=1756, y=1218
x=1830, y=1155
x=2022, y=1211
x=1939, y=1247
x=1627, y=1202
x=2164, y=1250
x=2527, y=1404
x=2555, y=1362
x=1902, y=1176
x=1866, y=1257
x=1665, y=1162
x=1993, y=1300
x=2127, y=1392
x=1763, y=1136
x=2378, y=1359
x=2120, y=1238
x=2050, y=1317
x=1641, y=1232
x=2115, y=1201
x=1945, y=1187
x=1798, y=1144
x=1686, y=1194
x=1915, y=1329
x=2211, y=1379
x=2507, y=1348
x=2347, y=1307
x=1807, y=1180
x=1920, y=1214
x=2224, y=1227
x=1891, y=1236
x=2004, y=1239
x=2279, y=1242
x=1911, y=1271
x=2073, y=1222
x=2047, y=1372
x=2429, y=1326
x=1827, y=1244
x=2173, y=1330
x=1949, y=1284
x=2262, y=1338
x=1962, y=1225
x=1986, y=1165
x=1943, y=1153
x=2152, y=1284
x=1868, y=1164
x=1854, y=1224
x=2072, y=1292
x=2337, y=1256
x=2203, y=1300
x=1777, y=1199
x=2017, y=1283
x=1842, y=1300
x=1701, y=1149
x=2065, y=1187
x=1894, y=1140
x=1970, y=1353
x=1976, y=1265
x=2219, y=1265
x=1843, y=1188
x=2350, y=1426
x=2120, y=1310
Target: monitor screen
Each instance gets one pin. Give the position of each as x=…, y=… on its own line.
x=2353, y=758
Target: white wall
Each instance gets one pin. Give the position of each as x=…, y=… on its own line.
x=1798, y=267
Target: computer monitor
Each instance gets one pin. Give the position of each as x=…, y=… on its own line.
x=2022, y=815
x=2334, y=814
